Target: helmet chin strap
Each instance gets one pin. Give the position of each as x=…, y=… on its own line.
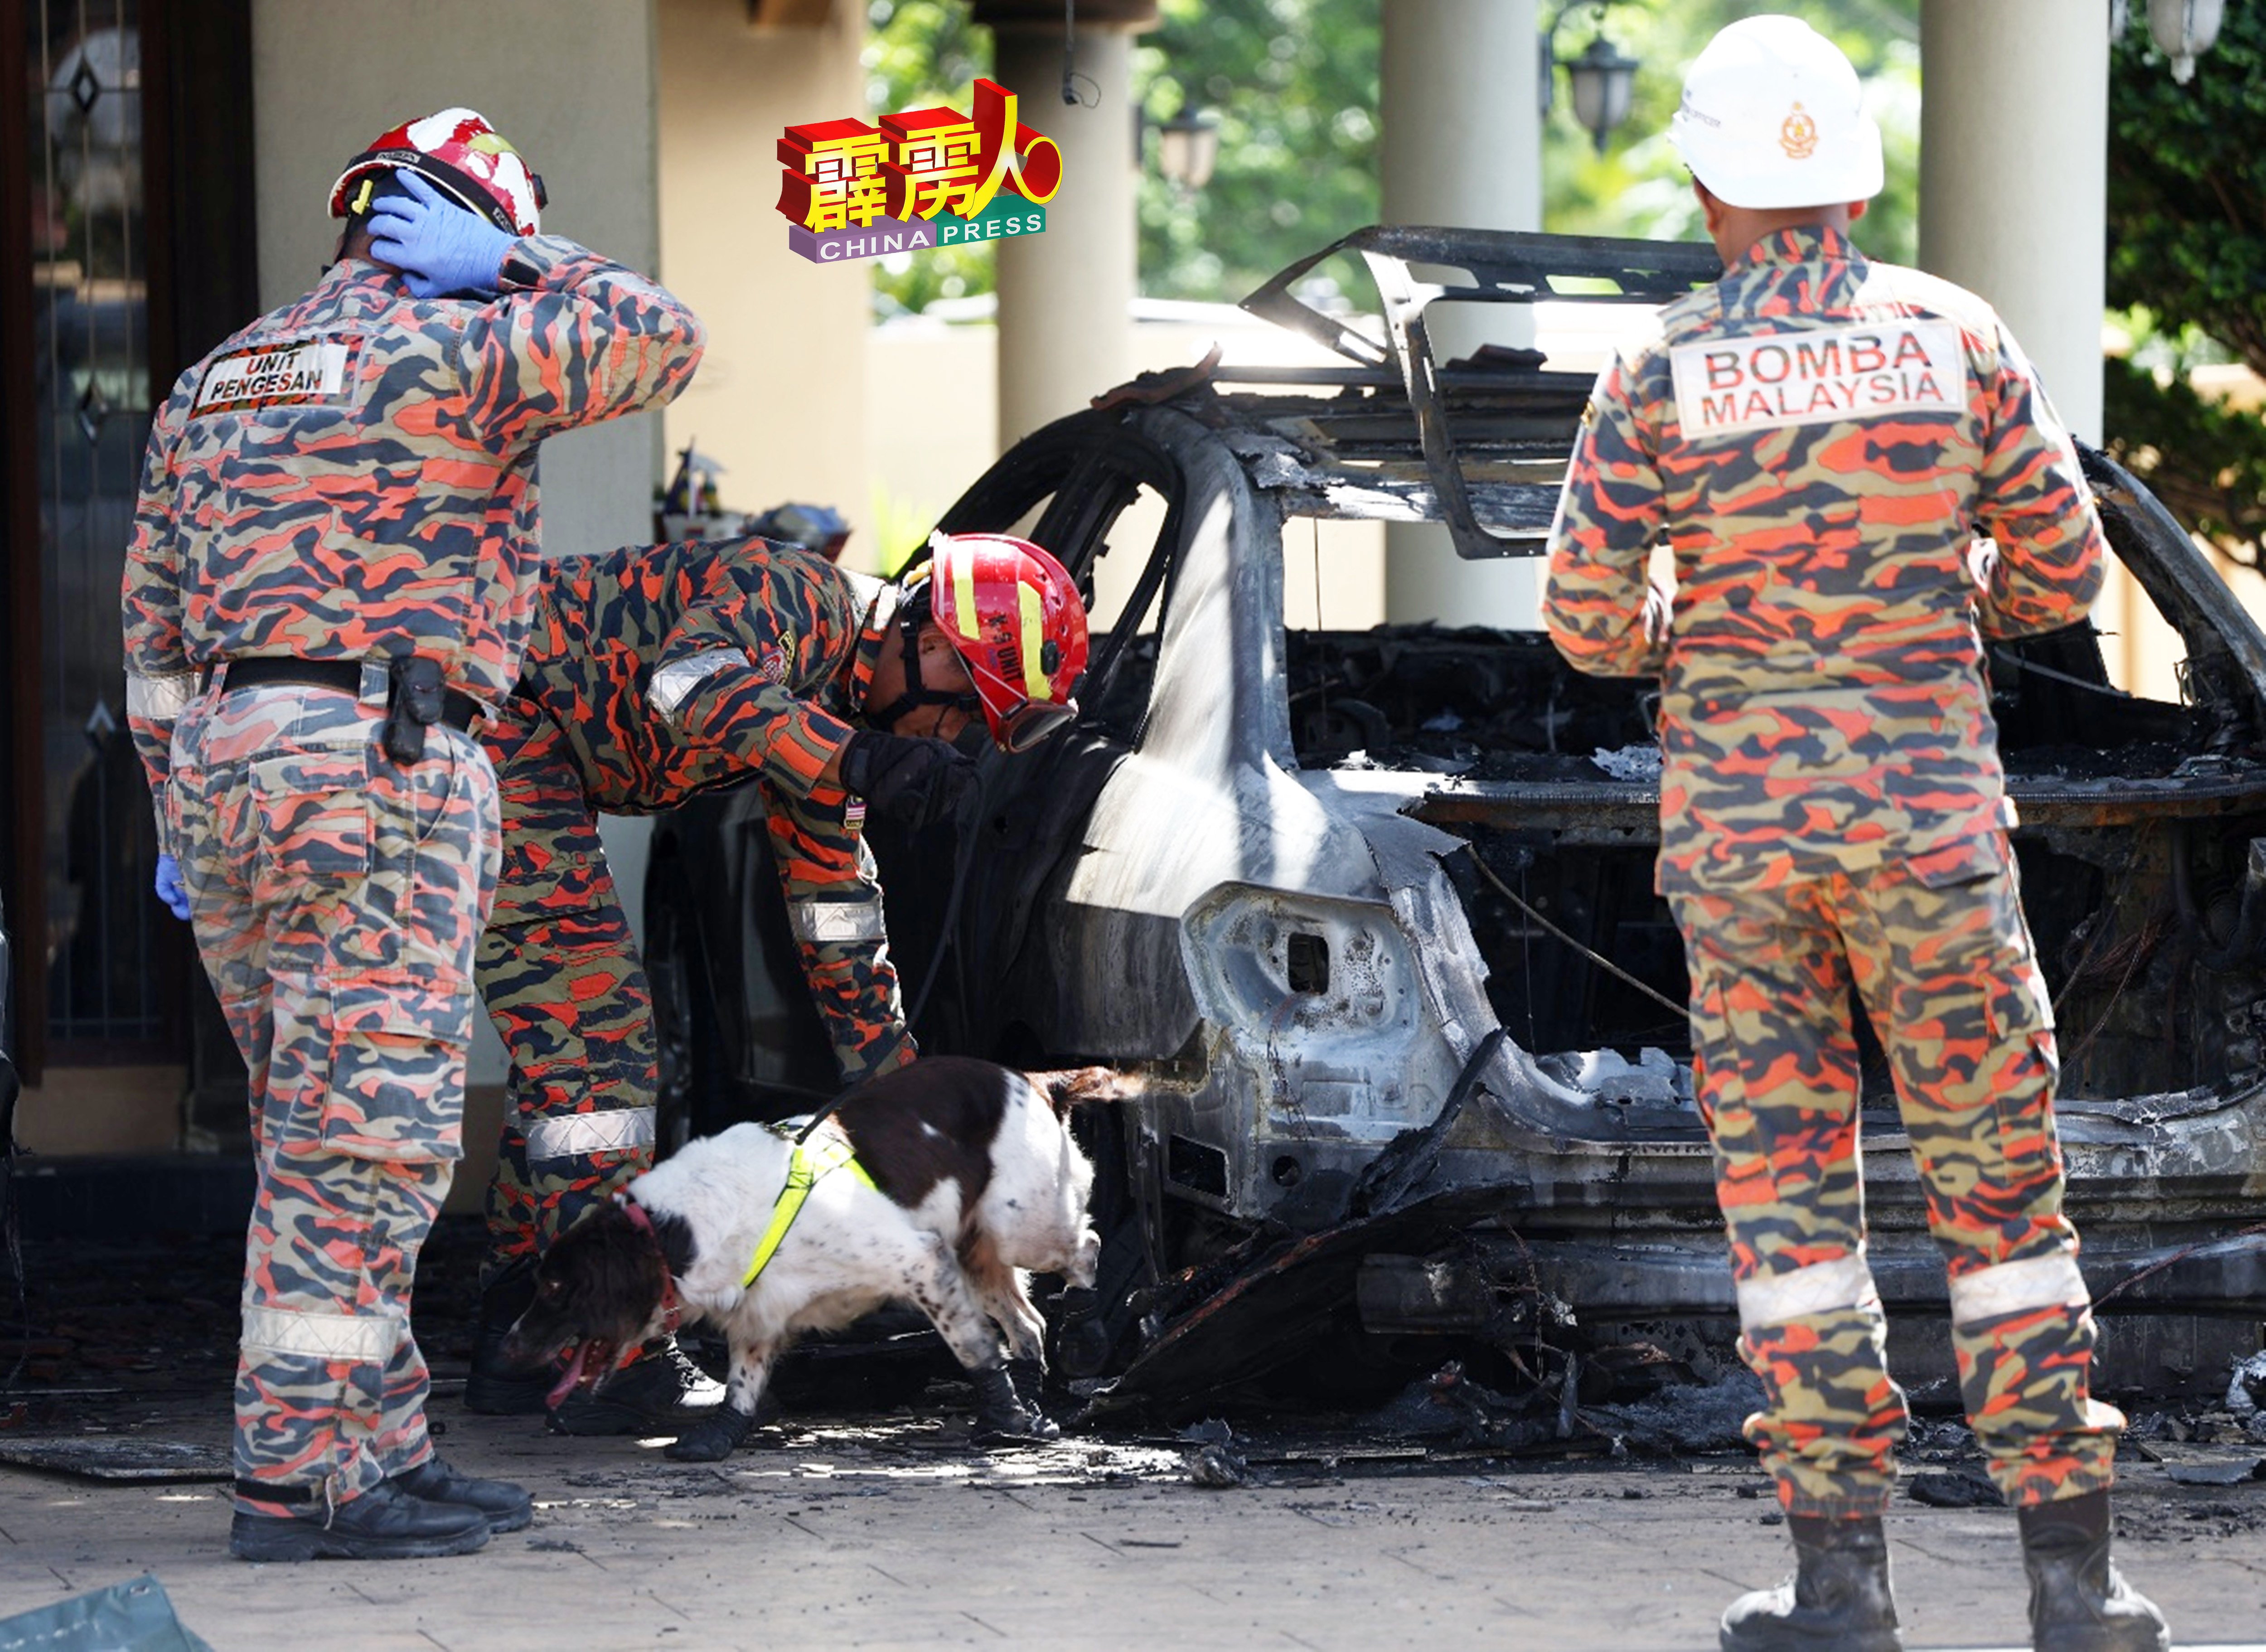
x=911, y=617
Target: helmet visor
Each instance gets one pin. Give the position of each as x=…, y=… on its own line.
x=1031, y=722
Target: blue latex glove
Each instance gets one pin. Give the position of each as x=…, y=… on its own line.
x=440, y=246
x=169, y=887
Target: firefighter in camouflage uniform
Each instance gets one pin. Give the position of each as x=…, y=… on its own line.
x=1819, y=440
x=653, y=674
x=329, y=580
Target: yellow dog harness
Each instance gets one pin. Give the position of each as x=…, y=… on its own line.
x=812, y=1163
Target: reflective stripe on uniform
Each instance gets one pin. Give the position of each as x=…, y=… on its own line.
x=2036, y=1281
x=827, y=1150
x=159, y=700
x=673, y=684
x=819, y=921
x=1846, y=1281
x=1034, y=644
x=587, y=1135
x=367, y=1337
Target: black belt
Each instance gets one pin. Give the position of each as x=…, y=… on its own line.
x=459, y=709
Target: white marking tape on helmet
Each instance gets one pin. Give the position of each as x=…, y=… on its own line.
x=963, y=593
x=368, y=1337
x=587, y=1135
x=1035, y=644
x=1846, y=1281
x=673, y=684
x=2036, y=1281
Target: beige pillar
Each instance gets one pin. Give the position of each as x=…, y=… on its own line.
x=2013, y=164
x=780, y=397
x=1462, y=146
x=1066, y=296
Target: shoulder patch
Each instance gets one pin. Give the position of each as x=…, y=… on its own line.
x=1866, y=369
x=302, y=372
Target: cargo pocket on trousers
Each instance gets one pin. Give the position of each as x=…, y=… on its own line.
x=1718, y=1078
x=2025, y=1069
x=397, y=1077
x=312, y=811
x=1971, y=860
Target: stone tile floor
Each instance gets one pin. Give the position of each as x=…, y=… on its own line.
x=859, y=1529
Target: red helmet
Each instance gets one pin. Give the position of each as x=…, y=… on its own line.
x=462, y=154
x=1018, y=623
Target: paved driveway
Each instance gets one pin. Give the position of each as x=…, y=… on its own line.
x=898, y=1535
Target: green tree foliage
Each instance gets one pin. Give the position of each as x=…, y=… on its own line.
x=1638, y=187
x=1294, y=84
x=2205, y=461
x=2187, y=184
x=2187, y=248
x=920, y=54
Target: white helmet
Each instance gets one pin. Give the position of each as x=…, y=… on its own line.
x=1772, y=116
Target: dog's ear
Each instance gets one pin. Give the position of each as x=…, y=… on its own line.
x=1071, y=1086
x=614, y=1273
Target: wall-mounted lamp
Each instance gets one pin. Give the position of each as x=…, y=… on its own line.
x=1604, y=84
x=1603, y=80
x=2183, y=31
x=1187, y=147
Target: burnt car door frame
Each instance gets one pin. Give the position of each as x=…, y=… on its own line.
x=723, y=968
x=1030, y=806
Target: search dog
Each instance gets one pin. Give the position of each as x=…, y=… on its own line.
x=972, y=1179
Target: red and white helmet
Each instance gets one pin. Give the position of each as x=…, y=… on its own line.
x=1018, y=626
x=462, y=155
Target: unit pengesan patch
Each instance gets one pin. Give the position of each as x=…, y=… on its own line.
x=300, y=372
x=1866, y=369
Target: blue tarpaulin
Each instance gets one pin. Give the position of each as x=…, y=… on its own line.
x=133, y=1616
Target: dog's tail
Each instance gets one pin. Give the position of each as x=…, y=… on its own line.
x=1071, y=1086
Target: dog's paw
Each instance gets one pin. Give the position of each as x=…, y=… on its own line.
x=711, y=1440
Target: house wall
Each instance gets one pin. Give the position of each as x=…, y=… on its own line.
x=780, y=400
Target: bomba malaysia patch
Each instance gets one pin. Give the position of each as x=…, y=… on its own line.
x=301, y=371
x=1866, y=369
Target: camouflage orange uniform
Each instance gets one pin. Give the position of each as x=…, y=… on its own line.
x=1818, y=439
x=352, y=477
x=653, y=673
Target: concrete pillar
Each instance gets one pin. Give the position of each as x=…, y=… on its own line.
x=1462, y=144
x=1065, y=297
x=2013, y=176
x=780, y=397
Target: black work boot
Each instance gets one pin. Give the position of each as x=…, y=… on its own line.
x=497, y=1386
x=506, y=1507
x=2077, y=1601
x=661, y=1392
x=1003, y=1417
x=1837, y=1601
x=384, y=1524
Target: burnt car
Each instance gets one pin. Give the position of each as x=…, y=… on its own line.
x=1371, y=912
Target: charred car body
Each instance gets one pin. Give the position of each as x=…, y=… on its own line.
x=1372, y=912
